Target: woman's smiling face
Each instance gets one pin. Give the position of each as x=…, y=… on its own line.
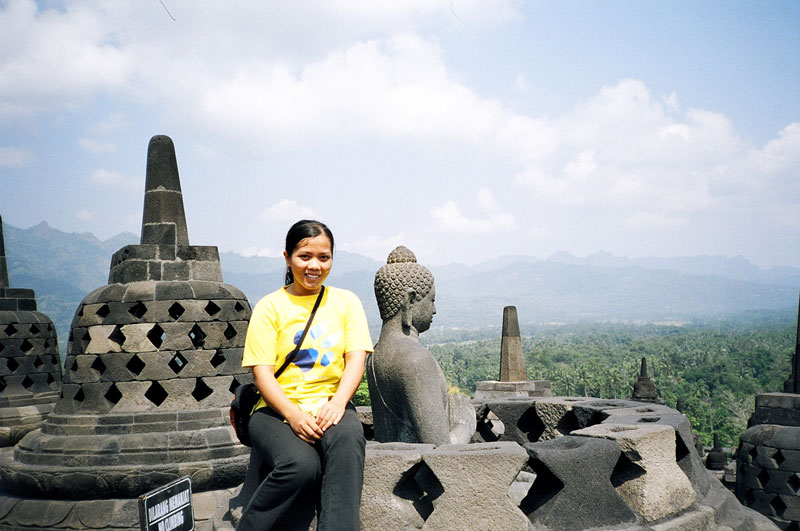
x=310, y=263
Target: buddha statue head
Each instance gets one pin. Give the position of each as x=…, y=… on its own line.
x=404, y=291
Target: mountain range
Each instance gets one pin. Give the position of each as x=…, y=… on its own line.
x=63, y=267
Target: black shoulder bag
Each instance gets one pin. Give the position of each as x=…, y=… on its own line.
x=245, y=397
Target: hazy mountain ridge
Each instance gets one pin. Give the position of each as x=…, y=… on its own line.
x=63, y=267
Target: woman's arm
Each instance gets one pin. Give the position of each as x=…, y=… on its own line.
x=302, y=423
x=333, y=410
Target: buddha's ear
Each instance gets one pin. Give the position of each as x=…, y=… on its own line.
x=409, y=296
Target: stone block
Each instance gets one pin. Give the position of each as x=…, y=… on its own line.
x=175, y=271
x=128, y=272
x=203, y=253
x=174, y=290
x=473, y=477
x=139, y=291
x=556, y=416
x=391, y=493
x=559, y=498
x=649, y=480
x=700, y=519
x=206, y=270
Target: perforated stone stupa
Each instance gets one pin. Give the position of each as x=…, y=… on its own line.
x=151, y=362
x=768, y=457
x=30, y=369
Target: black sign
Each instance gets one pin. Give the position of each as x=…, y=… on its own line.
x=168, y=508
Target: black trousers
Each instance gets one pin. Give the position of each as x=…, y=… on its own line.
x=327, y=475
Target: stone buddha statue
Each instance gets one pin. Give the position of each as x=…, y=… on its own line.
x=407, y=388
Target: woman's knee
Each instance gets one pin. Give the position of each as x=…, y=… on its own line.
x=300, y=472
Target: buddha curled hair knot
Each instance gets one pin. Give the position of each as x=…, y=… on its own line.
x=401, y=273
x=401, y=254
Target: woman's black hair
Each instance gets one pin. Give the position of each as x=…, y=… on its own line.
x=303, y=229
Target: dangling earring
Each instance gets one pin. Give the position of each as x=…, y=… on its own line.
x=289, y=276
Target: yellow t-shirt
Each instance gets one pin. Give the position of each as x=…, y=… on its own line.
x=276, y=324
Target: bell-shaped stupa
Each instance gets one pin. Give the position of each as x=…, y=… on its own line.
x=30, y=369
x=151, y=362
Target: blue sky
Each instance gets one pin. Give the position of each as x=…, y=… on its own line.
x=465, y=130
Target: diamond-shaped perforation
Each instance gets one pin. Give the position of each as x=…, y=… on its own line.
x=421, y=487
x=98, y=365
x=117, y=336
x=135, y=365
x=778, y=458
x=50, y=380
x=103, y=311
x=10, y=330
x=794, y=482
x=12, y=364
x=156, y=394
x=27, y=383
x=197, y=336
x=212, y=309
x=138, y=310
x=156, y=335
x=38, y=362
x=238, y=308
x=34, y=330
x=177, y=363
x=3, y=384
x=2, y=347
x=113, y=394
x=763, y=478
x=753, y=453
x=749, y=498
x=201, y=390
x=79, y=396
x=175, y=311
x=778, y=506
x=26, y=346
x=230, y=332
x=217, y=359
x=74, y=366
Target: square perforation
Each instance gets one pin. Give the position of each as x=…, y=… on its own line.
x=201, y=391
x=138, y=310
x=175, y=311
x=26, y=346
x=117, y=336
x=212, y=309
x=156, y=335
x=10, y=330
x=103, y=311
x=135, y=365
x=98, y=365
x=156, y=394
x=113, y=394
x=217, y=359
x=177, y=363
x=197, y=336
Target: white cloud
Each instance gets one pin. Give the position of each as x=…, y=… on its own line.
x=112, y=178
x=85, y=215
x=12, y=157
x=287, y=210
x=260, y=251
x=449, y=218
x=379, y=247
x=645, y=221
x=96, y=146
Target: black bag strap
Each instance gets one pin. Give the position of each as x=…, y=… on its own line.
x=293, y=354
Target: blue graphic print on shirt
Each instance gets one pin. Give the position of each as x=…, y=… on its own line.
x=308, y=357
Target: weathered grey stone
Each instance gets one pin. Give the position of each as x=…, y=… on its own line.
x=650, y=481
x=407, y=388
x=564, y=467
x=512, y=364
x=149, y=372
x=30, y=369
x=474, y=476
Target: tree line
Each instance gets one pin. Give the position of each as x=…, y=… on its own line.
x=715, y=369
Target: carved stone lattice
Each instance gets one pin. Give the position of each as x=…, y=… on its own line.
x=152, y=360
x=30, y=368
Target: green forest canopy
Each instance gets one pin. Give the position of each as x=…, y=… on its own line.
x=716, y=369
